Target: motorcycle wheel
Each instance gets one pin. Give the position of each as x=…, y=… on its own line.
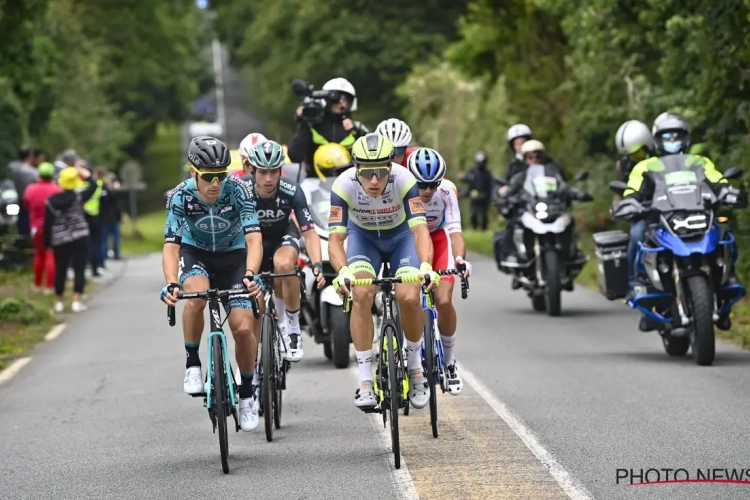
x=338, y=322
x=552, y=289
x=702, y=331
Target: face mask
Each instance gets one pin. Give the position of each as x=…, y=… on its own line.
x=672, y=147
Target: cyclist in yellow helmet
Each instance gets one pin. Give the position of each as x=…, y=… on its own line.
x=330, y=160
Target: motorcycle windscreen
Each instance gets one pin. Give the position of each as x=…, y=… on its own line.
x=538, y=184
x=320, y=203
x=680, y=190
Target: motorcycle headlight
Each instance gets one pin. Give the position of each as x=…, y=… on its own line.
x=12, y=209
x=541, y=215
x=541, y=207
x=689, y=223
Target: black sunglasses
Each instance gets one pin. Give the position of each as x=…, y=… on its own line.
x=429, y=185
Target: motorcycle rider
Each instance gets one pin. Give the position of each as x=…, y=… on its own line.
x=440, y=198
x=481, y=186
x=671, y=134
x=335, y=125
x=635, y=143
x=399, y=134
x=517, y=135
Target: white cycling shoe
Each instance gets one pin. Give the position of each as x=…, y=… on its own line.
x=294, y=347
x=365, y=396
x=453, y=378
x=419, y=390
x=193, y=383
x=249, y=414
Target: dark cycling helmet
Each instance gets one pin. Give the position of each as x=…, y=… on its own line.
x=208, y=152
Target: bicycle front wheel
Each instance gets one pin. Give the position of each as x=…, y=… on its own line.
x=267, y=384
x=279, y=375
x=219, y=395
x=394, y=390
x=430, y=368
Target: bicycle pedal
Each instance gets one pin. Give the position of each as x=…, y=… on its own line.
x=371, y=409
x=199, y=395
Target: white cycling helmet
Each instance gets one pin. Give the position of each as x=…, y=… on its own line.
x=426, y=165
x=343, y=85
x=396, y=130
x=248, y=142
x=632, y=136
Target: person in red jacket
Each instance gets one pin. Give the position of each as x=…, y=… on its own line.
x=35, y=199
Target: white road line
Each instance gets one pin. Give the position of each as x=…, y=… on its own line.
x=55, y=331
x=574, y=489
x=14, y=368
x=401, y=478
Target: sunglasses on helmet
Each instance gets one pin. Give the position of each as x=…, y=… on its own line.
x=380, y=171
x=428, y=185
x=212, y=176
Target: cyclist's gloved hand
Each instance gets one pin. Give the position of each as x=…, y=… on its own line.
x=318, y=273
x=338, y=281
x=426, y=270
x=169, y=294
x=253, y=283
x=463, y=266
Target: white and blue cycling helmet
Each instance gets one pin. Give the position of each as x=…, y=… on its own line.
x=426, y=165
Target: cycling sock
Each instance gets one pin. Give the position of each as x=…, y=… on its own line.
x=448, y=344
x=293, y=318
x=364, y=360
x=191, y=352
x=280, y=310
x=413, y=355
x=246, y=388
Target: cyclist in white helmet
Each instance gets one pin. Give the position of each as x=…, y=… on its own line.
x=399, y=134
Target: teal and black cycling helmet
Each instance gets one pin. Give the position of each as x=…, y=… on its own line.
x=267, y=155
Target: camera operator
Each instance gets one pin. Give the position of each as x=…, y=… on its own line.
x=322, y=121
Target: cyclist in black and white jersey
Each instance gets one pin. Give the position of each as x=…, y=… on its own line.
x=275, y=199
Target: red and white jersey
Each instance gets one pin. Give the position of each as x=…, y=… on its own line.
x=442, y=210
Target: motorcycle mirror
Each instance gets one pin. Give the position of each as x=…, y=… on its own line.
x=301, y=87
x=581, y=176
x=618, y=187
x=733, y=173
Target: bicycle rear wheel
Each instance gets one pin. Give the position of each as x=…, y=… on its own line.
x=278, y=371
x=267, y=384
x=219, y=381
x=430, y=368
x=394, y=391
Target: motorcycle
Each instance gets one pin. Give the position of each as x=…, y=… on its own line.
x=685, y=266
x=12, y=246
x=544, y=239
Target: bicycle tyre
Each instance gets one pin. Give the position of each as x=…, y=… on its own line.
x=397, y=316
x=267, y=386
x=394, y=390
x=219, y=405
x=430, y=368
x=278, y=384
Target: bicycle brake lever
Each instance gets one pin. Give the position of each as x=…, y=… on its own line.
x=171, y=315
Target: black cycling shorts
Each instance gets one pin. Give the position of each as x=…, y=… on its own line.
x=224, y=270
x=270, y=245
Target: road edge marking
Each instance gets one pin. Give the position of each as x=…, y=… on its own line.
x=12, y=369
x=572, y=487
x=401, y=478
x=55, y=331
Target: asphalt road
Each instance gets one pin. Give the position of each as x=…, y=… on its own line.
x=99, y=412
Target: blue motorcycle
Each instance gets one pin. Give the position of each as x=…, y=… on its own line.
x=685, y=266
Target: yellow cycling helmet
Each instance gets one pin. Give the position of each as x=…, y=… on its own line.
x=372, y=149
x=331, y=158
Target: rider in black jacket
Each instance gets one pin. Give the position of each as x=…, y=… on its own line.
x=333, y=125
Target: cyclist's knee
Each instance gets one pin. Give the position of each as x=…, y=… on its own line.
x=283, y=264
x=195, y=306
x=443, y=300
x=363, y=294
x=408, y=297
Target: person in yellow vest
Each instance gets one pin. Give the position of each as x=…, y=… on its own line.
x=333, y=125
x=91, y=210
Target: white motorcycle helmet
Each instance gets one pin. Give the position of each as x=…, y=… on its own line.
x=343, y=85
x=516, y=131
x=248, y=142
x=397, y=131
x=632, y=136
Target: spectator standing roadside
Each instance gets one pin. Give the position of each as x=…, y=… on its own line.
x=110, y=216
x=92, y=208
x=67, y=232
x=35, y=200
x=23, y=174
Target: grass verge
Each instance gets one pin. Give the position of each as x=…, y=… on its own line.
x=145, y=236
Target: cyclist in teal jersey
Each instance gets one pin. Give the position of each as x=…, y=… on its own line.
x=212, y=239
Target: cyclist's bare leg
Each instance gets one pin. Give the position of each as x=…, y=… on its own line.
x=284, y=261
x=412, y=314
x=242, y=323
x=361, y=324
x=192, y=314
x=446, y=313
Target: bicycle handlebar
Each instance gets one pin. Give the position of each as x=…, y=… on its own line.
x=411, y=278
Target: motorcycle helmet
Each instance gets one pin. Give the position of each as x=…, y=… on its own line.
x=632, y=136
x=480, y=159
x=330, y=159
x=516, y=131
x=344, y=86
x=532, y=146
x=671, y=133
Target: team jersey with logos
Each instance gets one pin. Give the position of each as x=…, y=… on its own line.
x=398, y=209
x=442, y=210
x=218, y=227
x=275, y=213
